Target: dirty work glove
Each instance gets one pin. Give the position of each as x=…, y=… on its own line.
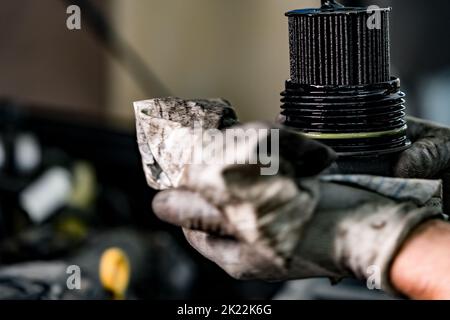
x=290, y=225
x=429, y=155
x=248, y=211
x=286, y=226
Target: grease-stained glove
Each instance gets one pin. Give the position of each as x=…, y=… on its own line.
x=429, y=155
x=286, y=226
x=291, y=225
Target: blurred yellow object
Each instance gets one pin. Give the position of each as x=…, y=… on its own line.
x=73, y=227
x=84, y=185
x=114, y=271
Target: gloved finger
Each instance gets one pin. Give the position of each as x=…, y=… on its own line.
x=307, y=157
x=239, y=260
x=190, y=210
x=418, y=128
x=220, y=250
x=310, y=156
x=426, y=159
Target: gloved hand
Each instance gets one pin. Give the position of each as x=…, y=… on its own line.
x=285, y=226
x=341, y=238
x=290, y=225
x=429, y=155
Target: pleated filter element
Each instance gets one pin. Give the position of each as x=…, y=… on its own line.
x=341, y=91
x=338, y=46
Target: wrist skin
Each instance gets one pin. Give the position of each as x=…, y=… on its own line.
x=421, y=269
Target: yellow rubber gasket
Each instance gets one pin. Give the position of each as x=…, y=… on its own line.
x=357, y=135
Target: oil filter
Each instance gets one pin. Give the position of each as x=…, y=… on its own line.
x=340, y=91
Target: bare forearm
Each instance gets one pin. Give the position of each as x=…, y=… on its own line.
x=421, y=270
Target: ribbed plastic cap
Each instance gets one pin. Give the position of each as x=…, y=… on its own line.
x=334, y=45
